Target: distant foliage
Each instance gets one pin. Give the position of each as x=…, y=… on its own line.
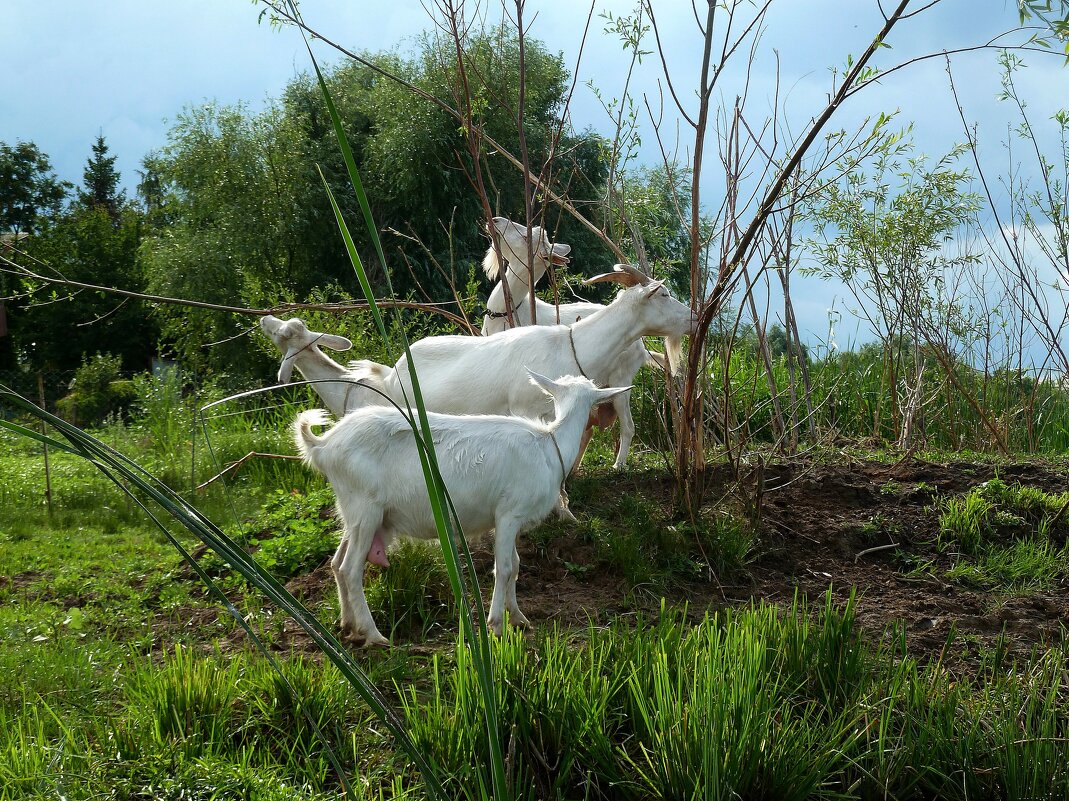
x=99, y=389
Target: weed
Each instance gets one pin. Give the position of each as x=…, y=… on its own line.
x=890, y=489
x=413, y=592
x=994, y=512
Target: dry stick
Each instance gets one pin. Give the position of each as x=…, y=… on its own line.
x=709, y=309
x=475, y=135
x=1026, y=285
x=236, y=465
x=867, y=551
x=332, y=308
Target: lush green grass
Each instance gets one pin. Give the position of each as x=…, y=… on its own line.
x=1006, y=537
x=117, y=684
x=764, y=702
x=855, y=397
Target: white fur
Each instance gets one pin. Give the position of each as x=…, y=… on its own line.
x=335, y=384
x=622, y=372
x=502, y=473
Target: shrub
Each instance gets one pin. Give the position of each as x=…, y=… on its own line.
x=97, y=390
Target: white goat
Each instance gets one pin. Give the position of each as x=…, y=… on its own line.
x=502, y=473
x=631, y=360
x=335, y=384
x=524, y=268
x=486, y=375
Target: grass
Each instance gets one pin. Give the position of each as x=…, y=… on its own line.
x=112, y=690
x=780, y=701
x=765, y=701
x=1006, y=536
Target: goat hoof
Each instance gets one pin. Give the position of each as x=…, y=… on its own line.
x=365, y=639
x=516, y=620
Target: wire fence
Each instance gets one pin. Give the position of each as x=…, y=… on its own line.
x=48, y=385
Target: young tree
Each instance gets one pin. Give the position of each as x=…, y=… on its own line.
x=101, y=181
x=888, y=247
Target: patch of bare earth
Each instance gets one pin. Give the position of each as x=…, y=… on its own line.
x=856, y=526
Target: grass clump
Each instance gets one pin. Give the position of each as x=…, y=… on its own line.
x=1007, y=536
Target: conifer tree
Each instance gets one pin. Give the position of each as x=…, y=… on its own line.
x=101, y=188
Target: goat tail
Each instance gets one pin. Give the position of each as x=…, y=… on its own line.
x=303, y=436
x=492, y=264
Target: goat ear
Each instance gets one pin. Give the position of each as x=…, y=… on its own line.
x=653, y=287
x=334, y=342
x=285, y=370
x=559, y=253
x=547, y=385
x=610, y=392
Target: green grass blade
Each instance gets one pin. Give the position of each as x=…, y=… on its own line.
x=475, y=632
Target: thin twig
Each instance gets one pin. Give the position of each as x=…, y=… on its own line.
x=874, y=550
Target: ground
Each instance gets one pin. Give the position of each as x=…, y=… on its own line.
x=860, y=526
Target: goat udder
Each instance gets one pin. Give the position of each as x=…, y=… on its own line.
x=377, y=554
x=605, y=415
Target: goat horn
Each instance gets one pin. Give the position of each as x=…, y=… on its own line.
x=625, y=274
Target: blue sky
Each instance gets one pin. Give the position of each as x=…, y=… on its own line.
x=127, y=67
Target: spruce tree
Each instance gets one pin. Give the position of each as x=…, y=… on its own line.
x=101, y=188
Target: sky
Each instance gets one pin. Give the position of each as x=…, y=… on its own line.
x=125, y=68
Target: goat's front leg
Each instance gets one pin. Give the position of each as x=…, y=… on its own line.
x=622, y=404
x=563, y=512
x=506, y=569
x=588, y=432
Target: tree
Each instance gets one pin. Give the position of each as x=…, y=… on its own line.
x=240, y=215
x=94, y=241
x=888, y=248
x=30, y=192
x=61, y=326
x=101, y=187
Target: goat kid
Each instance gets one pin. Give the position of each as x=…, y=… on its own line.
x=502, y=473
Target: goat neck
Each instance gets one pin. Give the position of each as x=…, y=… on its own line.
x=571, y=412
x=333, y=381
x=600, y=338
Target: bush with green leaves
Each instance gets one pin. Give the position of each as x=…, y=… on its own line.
x=97, y=391
x=302, y=533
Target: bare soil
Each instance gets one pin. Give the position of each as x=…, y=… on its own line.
x=861, y=527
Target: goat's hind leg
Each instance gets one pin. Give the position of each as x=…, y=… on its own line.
x=516, y=617
x=345, y=621
x=506, y=569
x=348, y=565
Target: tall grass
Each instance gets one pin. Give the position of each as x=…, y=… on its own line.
x=852, y=398
x=758, y=703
